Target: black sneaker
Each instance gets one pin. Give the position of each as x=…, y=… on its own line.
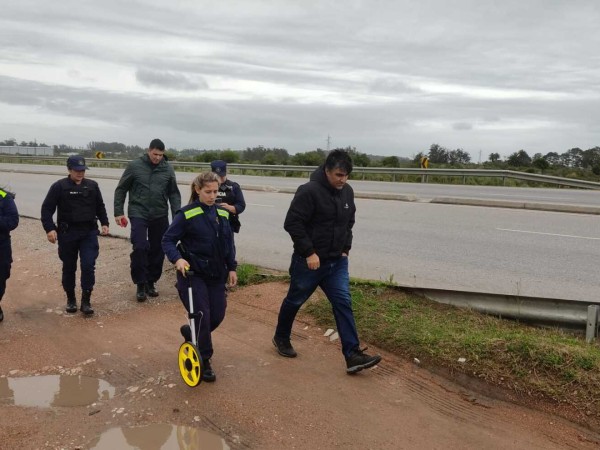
x=186, y=332
x=151, y=290
x=359, y=360
x=208, y=374
x=284, y=347
x=140, y=294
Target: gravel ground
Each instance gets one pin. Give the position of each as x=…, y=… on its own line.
x=259, y=400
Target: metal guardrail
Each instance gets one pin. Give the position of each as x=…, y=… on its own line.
x=390, y=171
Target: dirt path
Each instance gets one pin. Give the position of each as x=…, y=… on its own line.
x=260, y=400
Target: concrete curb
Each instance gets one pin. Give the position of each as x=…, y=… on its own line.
x=555, y=207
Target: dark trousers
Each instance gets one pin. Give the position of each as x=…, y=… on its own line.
x=78, y=244
x=5, y=264
x=208, y=298
x=333, y=278
x=147, y=256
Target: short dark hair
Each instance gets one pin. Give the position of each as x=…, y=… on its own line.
x=157, y=144
x=339, y=159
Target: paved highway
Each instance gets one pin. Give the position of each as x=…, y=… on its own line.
x=505, y=251
x=415, y=191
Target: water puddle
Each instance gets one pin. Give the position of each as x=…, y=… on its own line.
x=54, y=390
x=159, y=437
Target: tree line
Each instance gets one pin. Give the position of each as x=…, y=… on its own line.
x=575, y=158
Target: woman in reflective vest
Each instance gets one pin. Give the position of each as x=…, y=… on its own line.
x=206, y=248
x=9, y=219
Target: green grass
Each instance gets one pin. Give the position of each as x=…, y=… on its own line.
x=249, y=274
x=541, y=362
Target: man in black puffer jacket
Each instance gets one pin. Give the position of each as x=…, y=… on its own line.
x=320, y=221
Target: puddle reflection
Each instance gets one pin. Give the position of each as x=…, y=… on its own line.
x=159, y=437
x=54, y=390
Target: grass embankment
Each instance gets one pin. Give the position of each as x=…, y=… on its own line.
x=536, y=362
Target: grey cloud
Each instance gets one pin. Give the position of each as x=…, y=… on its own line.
x=462, y=126
x=169, y=80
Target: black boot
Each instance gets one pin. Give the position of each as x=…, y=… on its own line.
x=141, y=292
x=86, y=308
x=151, y=290
x=71, y=302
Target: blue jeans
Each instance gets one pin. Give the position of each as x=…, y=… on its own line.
x=333, y=278
x=147, y=256
x=210, y=299
x=82, y=244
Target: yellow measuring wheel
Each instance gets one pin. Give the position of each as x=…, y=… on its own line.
x=190, y=361
x=190, y=364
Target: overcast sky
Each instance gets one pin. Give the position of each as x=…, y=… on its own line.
x=386, y=77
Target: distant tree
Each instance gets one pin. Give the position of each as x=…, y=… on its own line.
x=230, y=156
x=358, y=159
x=590, y=158
x=494, y=157
x=171, y=154
x=207, y=156
x=390, y=161
x=312, y=158
x=553, y=158
x=540, y=162
x=572, y=157
x=458, y=156
x=10, y=142
x=438, y=154
x=519, y=159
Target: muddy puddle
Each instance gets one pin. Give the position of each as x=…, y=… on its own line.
x=54, y=390
x=158, y=437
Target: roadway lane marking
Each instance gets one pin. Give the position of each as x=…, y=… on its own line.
x=549, y=234
x=258, y=204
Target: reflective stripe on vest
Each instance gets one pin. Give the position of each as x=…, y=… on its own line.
x=2, y=193
x=193, y=212
x=223, y=213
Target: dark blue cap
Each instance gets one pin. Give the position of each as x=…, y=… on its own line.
x=76, y=162
x=219, y=167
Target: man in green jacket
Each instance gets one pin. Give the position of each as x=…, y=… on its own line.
x=151, y=184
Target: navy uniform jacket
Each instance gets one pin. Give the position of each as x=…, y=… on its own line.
x=9, y=216
x=80, y=206
x=230, y=192
x=206, y=234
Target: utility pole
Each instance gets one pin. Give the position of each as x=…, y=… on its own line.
x=480, y=157
x=328, y=142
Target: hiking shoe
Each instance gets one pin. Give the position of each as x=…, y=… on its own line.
x=186, y=332
x=140, y=294
x=284, y=347
x=151, y=290
x=359, y=360
x=208, y=374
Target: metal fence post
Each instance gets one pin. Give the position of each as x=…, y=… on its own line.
x=592, y=323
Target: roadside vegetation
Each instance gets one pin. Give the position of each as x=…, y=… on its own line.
x=529, y=363
x=572, y=163
x=541, y=363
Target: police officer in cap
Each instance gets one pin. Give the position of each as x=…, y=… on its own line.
x=230, y=196
x=79, y=207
